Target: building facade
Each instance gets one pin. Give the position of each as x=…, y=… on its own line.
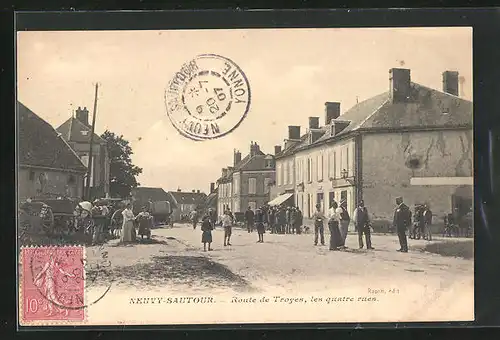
x=411, y=141
x=186, y=202
x=247, y=183
x=47, y=164
x=77, y=133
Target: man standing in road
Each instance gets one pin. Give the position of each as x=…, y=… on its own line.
x=227, y=224
x=319, y=225
x=345, y=219
x=194, y=218
x=402, y=220
x=249, y=219
x=362, y=223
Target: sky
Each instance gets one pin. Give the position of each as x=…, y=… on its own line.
x=291, y=72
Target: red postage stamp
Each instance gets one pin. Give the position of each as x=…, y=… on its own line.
x=52, y=284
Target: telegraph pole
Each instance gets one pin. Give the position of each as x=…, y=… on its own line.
x=89, y=171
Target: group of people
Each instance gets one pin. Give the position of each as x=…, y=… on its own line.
x=284, y=220
x=143, y=220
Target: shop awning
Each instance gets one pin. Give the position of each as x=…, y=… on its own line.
x=280, y=199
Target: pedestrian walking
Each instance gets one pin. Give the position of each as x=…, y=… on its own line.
x=206, y=236
x=128, y=229
x=194, y=218
x=362, y=223
x=272, y=219
x=249, y=219
x=402, y=220
x=333, y=226
x=287, y=220
x=298, y=221
x=293, y=218
x=227, y=224
x=345, y=219
x=259, y=223
x=319, y=225
x=427, y=216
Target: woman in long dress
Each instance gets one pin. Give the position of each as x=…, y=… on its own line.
x=128, y=224
x=334, y=226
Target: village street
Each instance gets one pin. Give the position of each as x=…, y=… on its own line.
x=285, y=265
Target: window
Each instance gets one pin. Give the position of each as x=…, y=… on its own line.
x=267, y=183
x=285, y=173
x=71, y=179
x=331, y=198
x=236, y=185
x=320, y=167
x=309, y=170
x=290, y=172
x=278, y=174
x=347, y=164
x=320, y=200
x=252, y=186
x=344, y=158
x=337, y=157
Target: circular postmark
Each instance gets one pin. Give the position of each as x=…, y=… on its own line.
x=63, y=275
x=208, y=97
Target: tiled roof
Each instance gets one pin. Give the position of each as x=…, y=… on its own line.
x=197, y=198
x=427, y=108
x=74, y=130
x=40, y=145
x=145, y=194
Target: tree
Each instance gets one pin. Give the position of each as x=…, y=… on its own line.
x=122, y=172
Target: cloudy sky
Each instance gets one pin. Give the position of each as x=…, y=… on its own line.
x=292, y=72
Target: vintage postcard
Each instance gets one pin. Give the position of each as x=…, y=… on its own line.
x=239, y=176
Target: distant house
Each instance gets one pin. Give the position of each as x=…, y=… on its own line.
x=142, y=195
x=47, y=164
x=187, y=202
x=211, y=201
x=247, y=182
x=77, y=132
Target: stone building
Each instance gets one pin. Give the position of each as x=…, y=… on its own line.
x=187, y=201
x=410, y=141
x=77, y=132
x=47, y=164
x=247, y=182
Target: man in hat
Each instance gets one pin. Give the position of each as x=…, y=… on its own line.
x=249, y=219
x=345, y=219
x=402, y=220
x=319, y=225
x=362, y=223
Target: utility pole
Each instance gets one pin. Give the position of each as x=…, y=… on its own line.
x=90, y=163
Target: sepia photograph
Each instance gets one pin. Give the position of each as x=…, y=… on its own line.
x=245, y=176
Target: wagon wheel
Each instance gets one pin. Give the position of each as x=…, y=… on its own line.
x=47, y=219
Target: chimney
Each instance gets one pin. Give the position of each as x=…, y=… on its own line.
x=313, y=122
x=178, y=189
x=332, y=111
x=212, y=187
x=254, y=149
x=450, y=82
x=294, y=132
x=193, y=190
x=197, y=191
x=277, y=149
x=83, y=115
x=237, y=157
x=400, y=84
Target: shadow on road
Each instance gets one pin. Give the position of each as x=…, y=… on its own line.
x=193, y=271
x=463, y=249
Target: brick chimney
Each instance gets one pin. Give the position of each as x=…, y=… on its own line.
x=313, y=122
x=237, y=157
x=254, y=149
x=294, y=132
x=400, y=84
x=277, y=149
x=212, y=187
x=332, y=111
x=450, y=82
x=178, y=189
x=197, y=191
x=193, y=190
x=83, y=115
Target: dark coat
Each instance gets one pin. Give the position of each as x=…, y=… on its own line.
x=402, y=217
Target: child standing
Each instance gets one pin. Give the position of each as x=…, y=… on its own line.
x=259, y=221
x=206, y=236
